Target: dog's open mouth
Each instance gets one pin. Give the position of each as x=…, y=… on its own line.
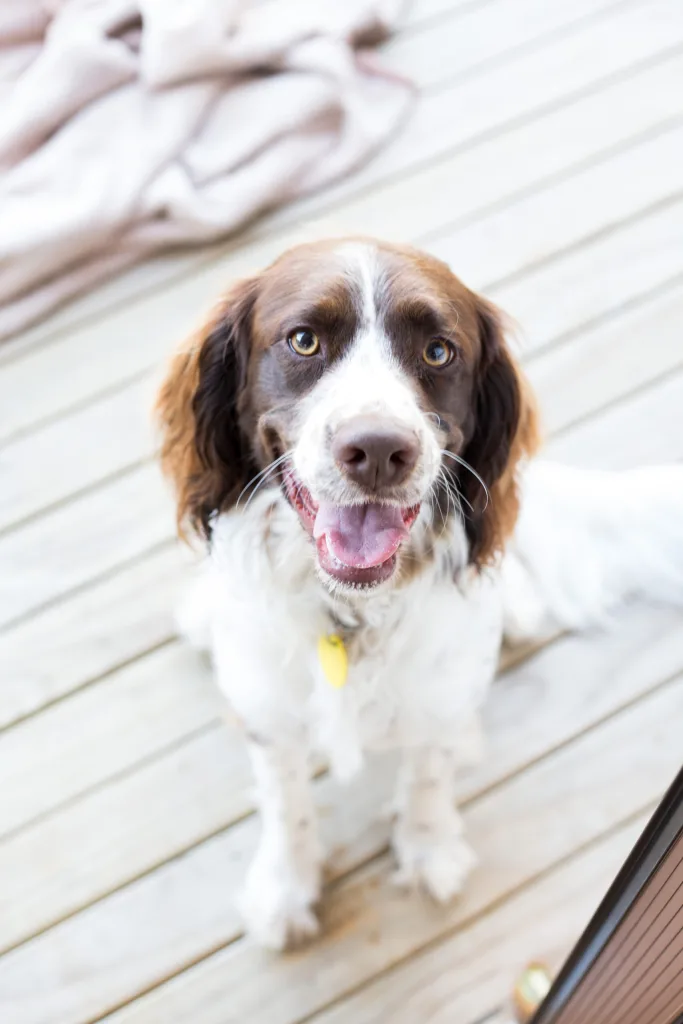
x=357, y=544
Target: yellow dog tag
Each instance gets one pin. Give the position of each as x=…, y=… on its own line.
x=333, y=659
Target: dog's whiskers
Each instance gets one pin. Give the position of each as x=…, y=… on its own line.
x=261, y=478
x=453, y=497
x=441, y=478
x=472, y=470
x=461, y=496
x=457, y=497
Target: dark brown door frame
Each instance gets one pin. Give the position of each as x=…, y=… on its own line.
x=662, y=833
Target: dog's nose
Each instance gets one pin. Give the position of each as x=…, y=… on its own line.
x=374, y=452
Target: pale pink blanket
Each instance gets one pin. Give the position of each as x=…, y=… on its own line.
x=128, y=126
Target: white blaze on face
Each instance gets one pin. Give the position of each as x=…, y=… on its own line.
x=367, y=381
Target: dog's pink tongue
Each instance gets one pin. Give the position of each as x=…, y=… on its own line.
x=360, y=535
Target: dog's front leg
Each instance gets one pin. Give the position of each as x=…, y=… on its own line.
x=428, y=833
x=283, y=883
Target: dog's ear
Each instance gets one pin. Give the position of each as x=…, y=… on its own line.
x=199, y=409
x=505, y=431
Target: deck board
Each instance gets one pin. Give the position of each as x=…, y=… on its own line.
x=369, y=925
x=542, y=160
x=50, y=655
x=81, y=541
x=578, y=289
x=461, y=42
x=592, y=201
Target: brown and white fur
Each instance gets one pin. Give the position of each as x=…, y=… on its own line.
x=347, y=432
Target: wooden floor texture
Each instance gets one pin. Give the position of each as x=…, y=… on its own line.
x=544, y=160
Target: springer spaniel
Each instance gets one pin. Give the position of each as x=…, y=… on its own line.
x=347, y=432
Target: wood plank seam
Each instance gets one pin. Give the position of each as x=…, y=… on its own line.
x=672, y=679
x=602, y=319
x=601, y=233
x=522, y=49
x=91, y=681
x=415, y=20
x=80, y=587
x=545, y=184
x=177, y=855
x=217, y=948
x=79, y=492
x=116, y=776
x=82, y=403
x=652, y=384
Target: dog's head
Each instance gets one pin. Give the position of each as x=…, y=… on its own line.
x=367, y=382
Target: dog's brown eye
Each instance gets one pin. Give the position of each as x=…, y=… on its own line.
x=437, y=353
x=303, y=342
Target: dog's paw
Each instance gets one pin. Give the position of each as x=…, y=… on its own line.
x=277, y=904
x=441, y=865
x=278, y=921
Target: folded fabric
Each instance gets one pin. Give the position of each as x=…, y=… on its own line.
x=128, y=126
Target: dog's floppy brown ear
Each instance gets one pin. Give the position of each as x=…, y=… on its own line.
x=506, y=429
x=204, y=450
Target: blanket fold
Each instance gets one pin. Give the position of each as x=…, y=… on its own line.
x=128, y=126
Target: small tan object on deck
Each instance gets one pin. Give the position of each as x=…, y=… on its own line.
x=531, y=989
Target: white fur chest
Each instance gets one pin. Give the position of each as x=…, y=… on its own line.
x=421, y=656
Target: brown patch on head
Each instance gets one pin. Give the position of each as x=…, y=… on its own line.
x=305, y=287
x=422, y=300
x=232, y=388
x=482, y=401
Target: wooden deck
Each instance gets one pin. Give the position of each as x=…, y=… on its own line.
x=544, y=161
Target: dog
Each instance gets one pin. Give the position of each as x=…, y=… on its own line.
x=353, y=438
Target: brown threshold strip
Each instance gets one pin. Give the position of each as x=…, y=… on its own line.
x=628, y=966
